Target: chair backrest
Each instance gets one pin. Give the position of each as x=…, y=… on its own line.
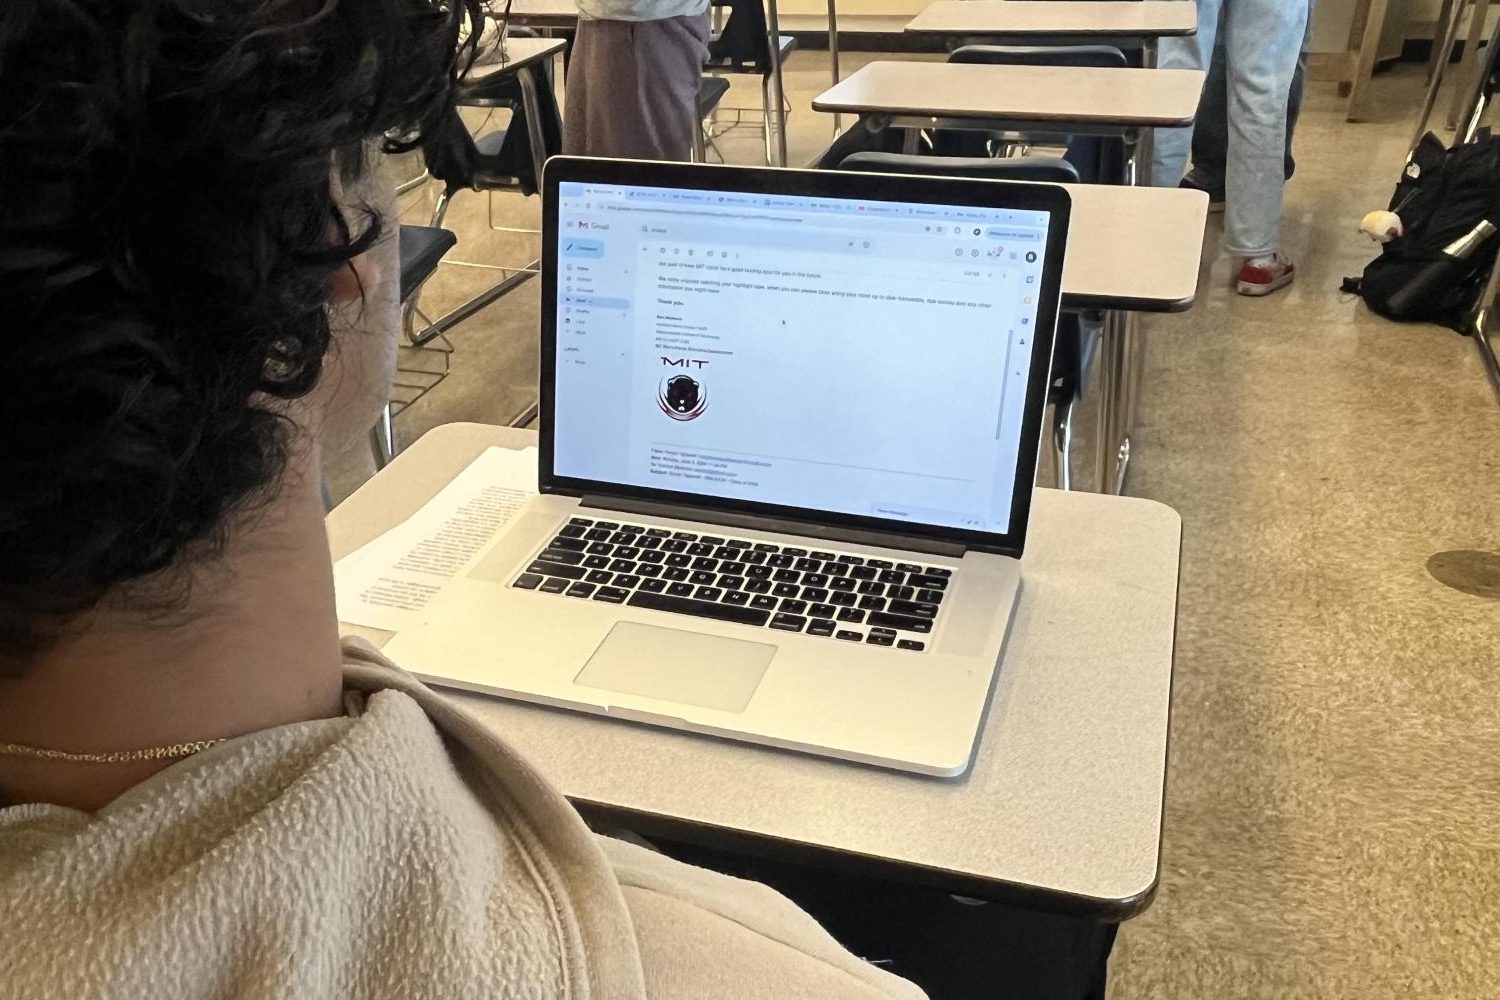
x=1028, y=168
x=1100, y=160
x=1100, y=56
x=744, y=45
x=449, y=152
x=1066, y=349
x=453, y=157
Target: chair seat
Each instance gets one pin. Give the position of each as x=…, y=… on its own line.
x=727, y=65
x=422, y=248
x=1025, y=168
x=1099, y=56
x=711, y=90
x=491, y=170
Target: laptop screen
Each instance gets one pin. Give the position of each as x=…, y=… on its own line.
x=847, y=355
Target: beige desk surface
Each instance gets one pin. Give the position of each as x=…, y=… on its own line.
x=1135, y=248
x=556, y=12
x=1063, y=806
x=1075, y=95
x=518, y=52
x=1057, y=18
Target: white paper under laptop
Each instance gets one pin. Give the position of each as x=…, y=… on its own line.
x=789, y=429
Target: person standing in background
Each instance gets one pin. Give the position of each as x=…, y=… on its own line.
x=1211, y=130
x=1262, y=43
x=633, y=78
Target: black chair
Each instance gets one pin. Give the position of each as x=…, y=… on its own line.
x=1099, y=159
x=421, y=249
x=862, y=138
x=1077, y=333
x=744, y=46
x=508, y=159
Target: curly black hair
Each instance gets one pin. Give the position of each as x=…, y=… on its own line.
x=168, y=238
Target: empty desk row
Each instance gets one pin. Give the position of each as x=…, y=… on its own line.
x=1128, y=103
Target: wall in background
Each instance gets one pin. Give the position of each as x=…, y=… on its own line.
x=1331, y=19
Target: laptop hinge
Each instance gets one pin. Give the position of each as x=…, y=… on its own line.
x=779, y=525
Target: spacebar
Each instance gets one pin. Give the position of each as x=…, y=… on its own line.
x=703, y=609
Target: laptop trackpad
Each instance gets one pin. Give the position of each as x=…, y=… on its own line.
x=667, y=663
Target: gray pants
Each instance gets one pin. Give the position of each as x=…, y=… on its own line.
x=633, y=88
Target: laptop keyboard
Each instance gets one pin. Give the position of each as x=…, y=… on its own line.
x=833, y=595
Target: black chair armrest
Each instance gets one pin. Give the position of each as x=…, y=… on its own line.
x=422, y=248
x=1027, y=168
x=1101, y=56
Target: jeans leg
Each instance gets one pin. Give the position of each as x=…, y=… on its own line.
x=1262, y=41
x=1170, y=145
x=1293, y=109
x=1211, y=127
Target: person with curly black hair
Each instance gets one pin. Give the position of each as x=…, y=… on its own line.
x=202, y=791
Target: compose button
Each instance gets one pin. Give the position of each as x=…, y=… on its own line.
x=573, y=246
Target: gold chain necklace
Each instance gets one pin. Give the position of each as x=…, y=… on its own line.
x=114, y=757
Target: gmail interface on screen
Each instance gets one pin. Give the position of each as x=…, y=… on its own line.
x=867, y=358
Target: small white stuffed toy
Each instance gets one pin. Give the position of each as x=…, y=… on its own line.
x=1381, y=226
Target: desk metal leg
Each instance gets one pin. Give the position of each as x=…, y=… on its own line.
x=413, y=184
x=383, y=437
x=1487, y=359
x=1135, y=346
x=1437, y=69
x=1451, y=12
x=531, y=105
x=1469, y=68
x=1478, y=327
x=778, y=91
x=1113, y=444
x=1120, y=354
x=833, y=59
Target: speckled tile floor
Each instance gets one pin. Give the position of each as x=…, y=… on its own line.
x=1332, y=795
x=1333, y=802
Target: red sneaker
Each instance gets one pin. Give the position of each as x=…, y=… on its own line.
x=1264, y=275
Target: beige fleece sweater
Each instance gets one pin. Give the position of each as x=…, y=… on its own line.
x=399, y=852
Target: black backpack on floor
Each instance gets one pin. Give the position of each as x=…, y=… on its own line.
x=1443, y=195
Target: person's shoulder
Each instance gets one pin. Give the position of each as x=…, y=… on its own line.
x=701, y=933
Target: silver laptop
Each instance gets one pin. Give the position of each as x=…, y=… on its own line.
x=789, y=428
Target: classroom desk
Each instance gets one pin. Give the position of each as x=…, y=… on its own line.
x=1133, y=248
x=544, y=13
x=1062, y=809
x=1130, y=250
x=1071, y=98
x=517, y=54
x=1125, y=23
x=1129, y=103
